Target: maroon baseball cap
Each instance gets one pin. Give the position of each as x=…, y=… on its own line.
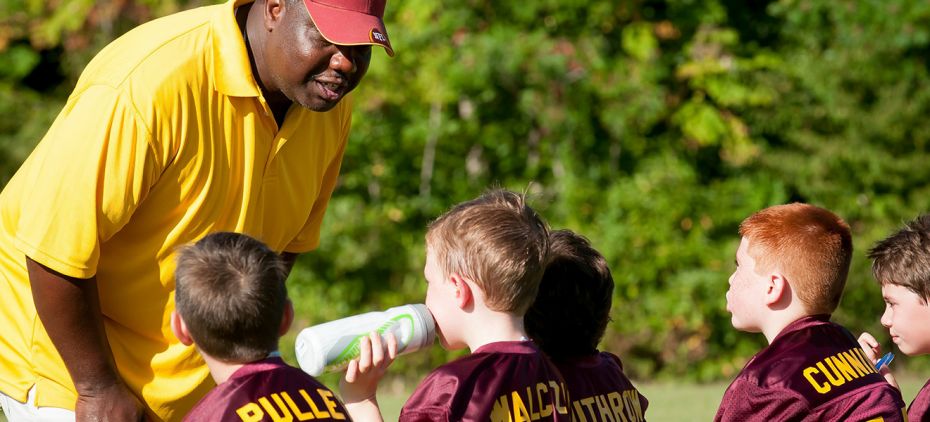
x=350, y=22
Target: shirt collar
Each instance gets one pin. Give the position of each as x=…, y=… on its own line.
x=232, y=71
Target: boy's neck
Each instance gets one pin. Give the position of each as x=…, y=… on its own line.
x=778, y=321
x=221, y=371
x=491, y=327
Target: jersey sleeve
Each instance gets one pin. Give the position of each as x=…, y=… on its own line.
x=432, y=400
x=309, y=237
x=84, y=181
x=745, y=402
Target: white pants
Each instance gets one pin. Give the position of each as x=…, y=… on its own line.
x=28, y=412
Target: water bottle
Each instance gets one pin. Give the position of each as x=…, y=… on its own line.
x=330, y=346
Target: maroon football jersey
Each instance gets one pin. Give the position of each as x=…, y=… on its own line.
x=919, y=410
x=600, y=391
x=269, y=390
x=504, y=381
x=814, y=370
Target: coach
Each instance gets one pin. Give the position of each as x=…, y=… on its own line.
x=231, y=117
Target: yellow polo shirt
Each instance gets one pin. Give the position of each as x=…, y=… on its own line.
x=165, y=138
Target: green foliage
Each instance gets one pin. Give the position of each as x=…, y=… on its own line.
x=653, y=128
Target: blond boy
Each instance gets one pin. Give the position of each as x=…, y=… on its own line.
x=484, y=262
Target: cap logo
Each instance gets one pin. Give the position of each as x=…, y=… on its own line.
x=377, y=37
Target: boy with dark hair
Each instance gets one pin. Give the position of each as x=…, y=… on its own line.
x=901, y=265
x=791, y=267
x=484, y=261
x=567, y=321
x=232, y=306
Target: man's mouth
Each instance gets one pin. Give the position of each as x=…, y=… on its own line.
x=329, y=90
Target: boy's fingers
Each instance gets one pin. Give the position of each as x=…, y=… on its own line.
x=364, y=355
x=868, y=339
x=391, y=346
x=377, y=349
x=352, y=370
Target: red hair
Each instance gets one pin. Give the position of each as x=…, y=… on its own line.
x=811, y=246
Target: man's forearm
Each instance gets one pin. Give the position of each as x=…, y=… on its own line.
x=70, y=311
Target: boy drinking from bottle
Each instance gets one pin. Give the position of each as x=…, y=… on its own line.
x=484, y=261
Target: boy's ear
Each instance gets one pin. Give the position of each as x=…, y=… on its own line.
x=287, y=318
x=776, y=289
x=463, y=292
x=179, y=328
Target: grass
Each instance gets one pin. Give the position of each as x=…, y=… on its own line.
x=667, y=401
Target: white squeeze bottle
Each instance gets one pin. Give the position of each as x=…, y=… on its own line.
x=330, y=346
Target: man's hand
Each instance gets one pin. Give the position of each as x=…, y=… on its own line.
x=873, y=351
x=111, y=403
x=360, y=386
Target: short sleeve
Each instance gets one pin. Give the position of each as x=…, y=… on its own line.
x=83, y=182
x=432, y=399
x=745, y=402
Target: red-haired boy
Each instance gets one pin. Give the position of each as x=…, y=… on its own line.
x=791, y=268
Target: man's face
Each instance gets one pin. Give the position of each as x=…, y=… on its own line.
x=308, y=69
x=906, y=318
x=744, y=297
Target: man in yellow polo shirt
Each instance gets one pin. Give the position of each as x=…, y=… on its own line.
x=231, y=117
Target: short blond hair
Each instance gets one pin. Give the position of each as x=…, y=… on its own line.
x=810, y=245
x=498, y=242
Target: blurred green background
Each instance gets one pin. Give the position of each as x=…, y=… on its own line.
x=651, y=127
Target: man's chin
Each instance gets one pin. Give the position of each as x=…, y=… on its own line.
x=319, y=105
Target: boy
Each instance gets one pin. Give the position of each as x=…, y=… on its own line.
x=568, y=320
x=232, y=305
x=791, y=267
x=484, y=261
x=901, y=264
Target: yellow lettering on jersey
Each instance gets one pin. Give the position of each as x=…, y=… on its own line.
x=578, y=413
x=855, y=363
x=545, y=408
x=519, y=409
x=270, y=409
x=633, y=407
x=301, y=415
x=837, y=370
x=559, y=390
x=250, y=412
x=865, y=361
x=331, y=404
x=603, y=408
x=878, y=419
x=809, y=375
x=616, y=406
x=316, y=411
x=501, y=410
x=844, y=367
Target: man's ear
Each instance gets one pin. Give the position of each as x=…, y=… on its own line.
x=273, y=11
x=462, y=290
x=179, y=328
x=287, y=318
x=777, y=289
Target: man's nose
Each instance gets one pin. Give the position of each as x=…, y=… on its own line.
x=343, y=61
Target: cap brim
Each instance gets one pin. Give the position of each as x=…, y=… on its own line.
x=344, y=27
